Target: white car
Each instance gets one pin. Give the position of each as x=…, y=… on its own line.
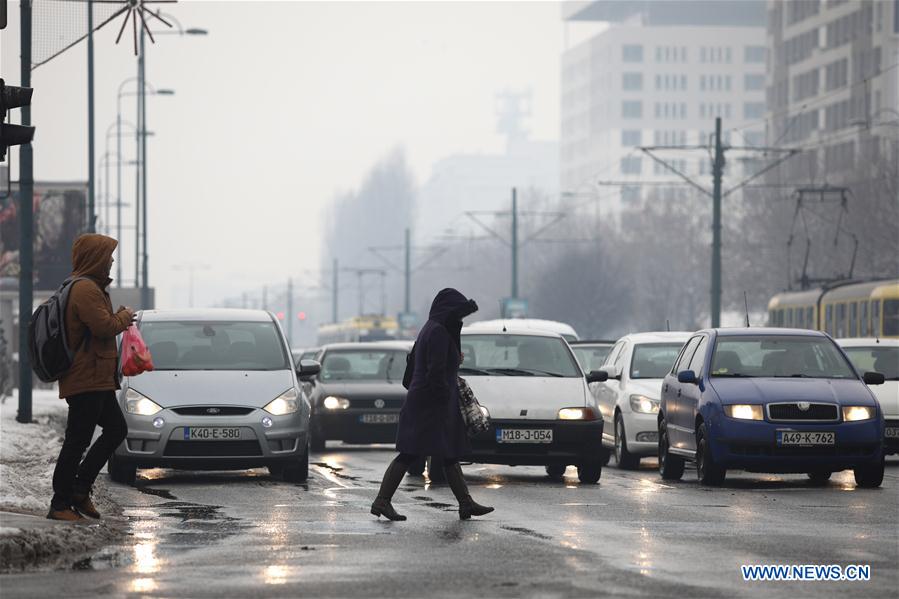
x=880, y=355
x=541, y=411
x=629, y=399
x=529, y=324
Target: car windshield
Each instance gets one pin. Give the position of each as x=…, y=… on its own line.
x=517, y=355
x=591, y=357
x=653, y=360
x=363, y=365
x=204, y=345
x=778, y=356
x=884, y=360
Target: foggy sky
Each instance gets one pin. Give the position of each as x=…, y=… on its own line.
x=280, y=107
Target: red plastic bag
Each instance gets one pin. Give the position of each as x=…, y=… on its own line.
x=136, y=357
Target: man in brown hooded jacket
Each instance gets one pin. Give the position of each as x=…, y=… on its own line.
x=89, y=386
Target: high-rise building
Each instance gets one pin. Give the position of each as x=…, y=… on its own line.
x=833, y=82
x=657, y=73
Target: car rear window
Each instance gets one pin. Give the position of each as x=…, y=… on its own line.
x=363, y=365
x=200, y=345
x=884, y=360
x=591, y=357
x=517, y=355
x=778, y=356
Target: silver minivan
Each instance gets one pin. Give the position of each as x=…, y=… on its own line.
x=225, y=394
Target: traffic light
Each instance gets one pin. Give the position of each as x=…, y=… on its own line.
x=13, y=135
x=301, y=316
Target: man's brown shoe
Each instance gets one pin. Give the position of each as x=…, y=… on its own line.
x=67, y=514
x=85, y=506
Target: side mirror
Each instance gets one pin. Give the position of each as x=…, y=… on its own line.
x=873, y=378
x=308, y=369
x=597, y=376
x=611, y=372
x=686, y=376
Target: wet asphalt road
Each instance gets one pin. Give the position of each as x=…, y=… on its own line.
x=245, y=534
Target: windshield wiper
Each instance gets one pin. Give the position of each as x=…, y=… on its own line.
x=543, y=372
x=734, y=375
x=469, y=370
x=389, y=366
x=792, y=376
x=510, y=371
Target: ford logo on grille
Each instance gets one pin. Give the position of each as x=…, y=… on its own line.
x=213, y=411
x=804, y=406
x=379, y=403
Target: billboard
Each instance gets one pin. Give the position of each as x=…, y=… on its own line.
x=59, y=217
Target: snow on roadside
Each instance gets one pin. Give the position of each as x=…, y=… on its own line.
x=28, y=455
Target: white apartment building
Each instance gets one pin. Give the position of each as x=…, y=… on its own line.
x=833, y=87
x=657, y=74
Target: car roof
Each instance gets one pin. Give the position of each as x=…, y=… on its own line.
x=868, y=342
x=369, y=345
x=535, y=324
x=772, y=331
x=592, y=342
x=207, y=314
x=511, y=330
x=657, y=337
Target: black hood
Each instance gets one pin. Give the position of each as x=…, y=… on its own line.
x=450, y=306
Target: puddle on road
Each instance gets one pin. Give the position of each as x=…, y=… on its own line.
x=164, y=493
x=527, y=532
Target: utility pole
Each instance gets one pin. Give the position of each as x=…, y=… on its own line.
x=717, y=194
x=145, y=284
x=138, y=159
x=91, y=176
x=290, y=314
x=514, y=244
x=26, y=226
x=408, y=274
x=717, y=174
x=334, y=291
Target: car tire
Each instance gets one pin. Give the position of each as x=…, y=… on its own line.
x=819, y=478
x=870, y=476
x=625, y=459
x=589, y=473
x=708, y=472
x=556, y=471
x=297, y=472
x=671, y=467
x=121, y=472
x=316, y=440
x=606, y=456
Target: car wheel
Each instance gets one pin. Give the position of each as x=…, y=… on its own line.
x=626, y=460
x=316, y=440
x=121, y=472
x=671, y=467
x=709, y=472
x=297, y=472
x=819, y=478
x=589, y=472
x=870, y=476
x=556, y=471
x=606, y=455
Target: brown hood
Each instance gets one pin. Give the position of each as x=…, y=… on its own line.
x=90, y=257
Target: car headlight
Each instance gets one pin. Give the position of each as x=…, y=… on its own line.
x=136, y=403
x=644, y=405
x=336, y=403
x=577, y=414
x=855, y=413
x=286, y=403
x=744, y=411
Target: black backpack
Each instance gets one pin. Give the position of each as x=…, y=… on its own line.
x=49, y=348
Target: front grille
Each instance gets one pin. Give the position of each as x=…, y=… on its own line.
x=369, y=403
x=216, y=411
x=789, y=412
x=212, y=448
x=770, y=450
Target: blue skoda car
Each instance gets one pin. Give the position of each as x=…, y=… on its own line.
x=769, y=400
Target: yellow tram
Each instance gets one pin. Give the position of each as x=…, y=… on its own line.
x=359, y=328
x=844, y=309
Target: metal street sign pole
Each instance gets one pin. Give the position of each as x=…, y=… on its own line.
x=26, y=228
x=717, y=174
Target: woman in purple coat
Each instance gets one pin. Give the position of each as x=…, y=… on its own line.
x=431, y=422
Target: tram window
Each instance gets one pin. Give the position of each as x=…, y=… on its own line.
x=853, y=319
x=841, y=320
x=810, y=318
x=788, y=317
x=828, y=319
x=863, y=328
x=875, y=318
x=891, y=317
x=799, y=318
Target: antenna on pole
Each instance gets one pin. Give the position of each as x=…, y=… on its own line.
x=667, y=325
x=746, y=306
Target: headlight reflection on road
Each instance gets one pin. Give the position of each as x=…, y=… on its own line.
x=644, y=553
x=275, y=574
x=145, y=560
x=143, y=585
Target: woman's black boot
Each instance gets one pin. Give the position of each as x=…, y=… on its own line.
x=392, y=479
x=468, y=507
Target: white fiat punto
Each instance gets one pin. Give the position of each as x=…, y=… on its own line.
x=880, y=355
x=541, y=412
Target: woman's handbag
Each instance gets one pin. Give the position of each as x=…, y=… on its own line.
x=475, y=417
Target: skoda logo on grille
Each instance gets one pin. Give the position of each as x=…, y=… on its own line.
x=212, y=410
x=379, y=403
x=804, y=406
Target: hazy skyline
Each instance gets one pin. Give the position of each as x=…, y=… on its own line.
x=282, y=106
